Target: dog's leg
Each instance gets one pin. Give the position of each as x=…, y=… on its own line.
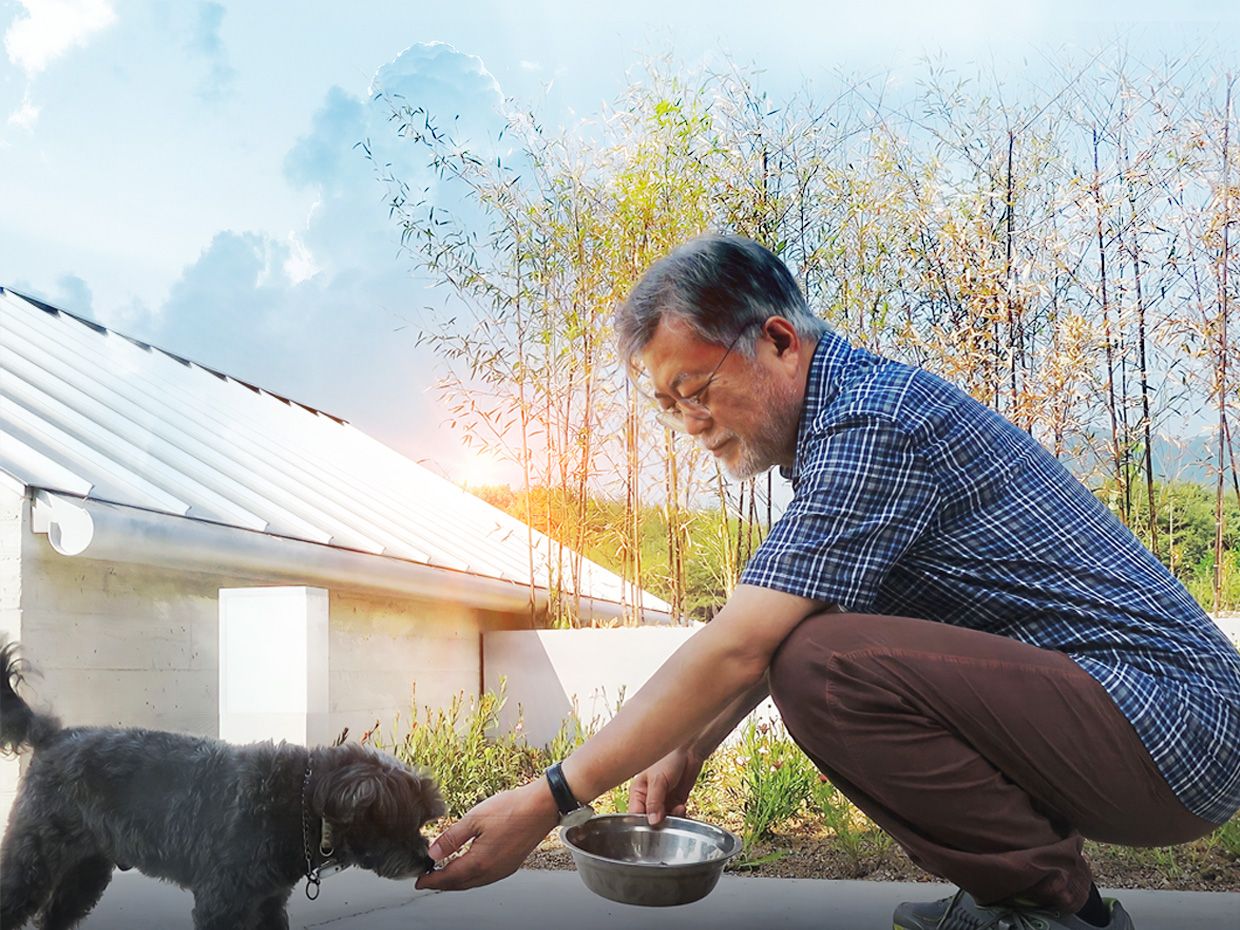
x=25, y=878
x=78, y=890
x=272, y=913
x=223, y=909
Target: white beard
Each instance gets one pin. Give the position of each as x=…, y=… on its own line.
x=766, y=448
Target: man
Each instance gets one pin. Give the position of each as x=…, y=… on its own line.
x=957, y=633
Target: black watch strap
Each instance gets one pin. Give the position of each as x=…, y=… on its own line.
x=564, y=798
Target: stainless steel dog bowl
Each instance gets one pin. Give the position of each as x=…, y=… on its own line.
x=623, y=858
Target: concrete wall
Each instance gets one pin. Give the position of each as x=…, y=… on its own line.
x=388, y=652
x=552, y=673
x=129, y=645
x=133, y=646
x=14, y=515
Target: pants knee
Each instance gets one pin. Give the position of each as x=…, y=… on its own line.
x=811, y=679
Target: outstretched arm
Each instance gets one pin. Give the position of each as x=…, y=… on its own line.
x=681, y=702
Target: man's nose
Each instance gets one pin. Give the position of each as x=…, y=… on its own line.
x=697, y=425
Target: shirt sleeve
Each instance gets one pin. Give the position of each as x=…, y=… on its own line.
x=864, y=495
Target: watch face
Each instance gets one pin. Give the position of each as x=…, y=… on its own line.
x=578, y=816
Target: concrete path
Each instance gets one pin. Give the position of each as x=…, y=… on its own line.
x=541, y=900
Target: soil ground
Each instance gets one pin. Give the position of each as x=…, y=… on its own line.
x=803, y=851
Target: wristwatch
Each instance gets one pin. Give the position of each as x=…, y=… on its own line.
x=572, y=811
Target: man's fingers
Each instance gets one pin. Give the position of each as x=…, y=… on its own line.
x=457, y=875
x=637, y=795
x=656, y=799
x=452, y=839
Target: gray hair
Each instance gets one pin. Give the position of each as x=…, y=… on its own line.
x=721, y=286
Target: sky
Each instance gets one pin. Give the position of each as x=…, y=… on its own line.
x=188, y=173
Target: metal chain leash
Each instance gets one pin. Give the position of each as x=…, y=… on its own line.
x=312, y=873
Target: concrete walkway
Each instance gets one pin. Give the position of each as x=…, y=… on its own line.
x=540, y=900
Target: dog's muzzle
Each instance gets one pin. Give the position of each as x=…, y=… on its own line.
x=428, y=864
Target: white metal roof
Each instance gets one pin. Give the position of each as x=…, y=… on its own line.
x=94, y=414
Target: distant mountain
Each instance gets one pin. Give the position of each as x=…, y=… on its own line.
x=1192, y=458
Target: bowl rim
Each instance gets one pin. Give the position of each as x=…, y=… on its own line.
x=720, y=861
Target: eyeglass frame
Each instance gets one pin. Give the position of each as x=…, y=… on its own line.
x=692, y=407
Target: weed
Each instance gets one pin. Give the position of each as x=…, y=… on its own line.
x=1227, y=838
x=752, y=787
x=454, y=746
x=777, y=778
x=840, y=817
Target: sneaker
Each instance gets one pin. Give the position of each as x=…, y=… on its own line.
x=961, y=912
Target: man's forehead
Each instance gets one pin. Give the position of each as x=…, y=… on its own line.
x=675, y=352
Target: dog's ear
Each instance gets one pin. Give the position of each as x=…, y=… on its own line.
x=370, y=784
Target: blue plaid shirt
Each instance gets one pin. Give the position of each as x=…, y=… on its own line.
x=913, y=499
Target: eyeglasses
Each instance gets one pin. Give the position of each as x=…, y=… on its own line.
x=672, y=411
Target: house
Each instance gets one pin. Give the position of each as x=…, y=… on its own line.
x=183, y=550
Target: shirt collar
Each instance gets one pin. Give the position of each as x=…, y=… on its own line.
x=826, y=369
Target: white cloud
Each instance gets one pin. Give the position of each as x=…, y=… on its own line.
x=50, y=28
x=206, y=41
x=24, y=117
x=70, y=293
x=300, y=265
x=330, y=314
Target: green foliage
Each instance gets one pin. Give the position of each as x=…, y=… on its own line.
x=753, y=786
x=571, y=735
x=777, y=778
x=1185, y=521
x=466, y=762
x=1227, y=838
x=1200, y=581
x=471, y=759
x=604, y=533
x=852, y=833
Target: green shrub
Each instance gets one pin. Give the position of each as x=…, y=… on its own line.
x=454, y=747
x=1227, y=838
x=853, y=834
x=776, y=778
x=718, y=791
x=752, y=787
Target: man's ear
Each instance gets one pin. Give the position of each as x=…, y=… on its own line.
x=783, y=336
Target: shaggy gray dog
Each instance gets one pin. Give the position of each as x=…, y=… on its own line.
x=238, y=826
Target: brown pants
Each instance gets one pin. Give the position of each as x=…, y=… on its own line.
x=987, y=759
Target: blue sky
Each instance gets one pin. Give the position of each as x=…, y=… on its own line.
x=186, y=172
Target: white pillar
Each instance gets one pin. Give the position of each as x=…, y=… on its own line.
x=273, y=665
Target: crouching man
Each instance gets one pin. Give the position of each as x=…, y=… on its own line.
x=956, y=632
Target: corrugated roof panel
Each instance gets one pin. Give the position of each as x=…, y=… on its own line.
x=16, y=457
x=497, y=543
x=321, y=465
x=39, y=404
x=430, y=514
x=146, y=423
x=52, y=441
x=92, y=412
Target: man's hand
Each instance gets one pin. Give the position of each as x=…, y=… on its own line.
x=663, y=789
x=504, y=828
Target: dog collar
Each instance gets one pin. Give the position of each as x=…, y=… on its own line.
x=328, y=865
